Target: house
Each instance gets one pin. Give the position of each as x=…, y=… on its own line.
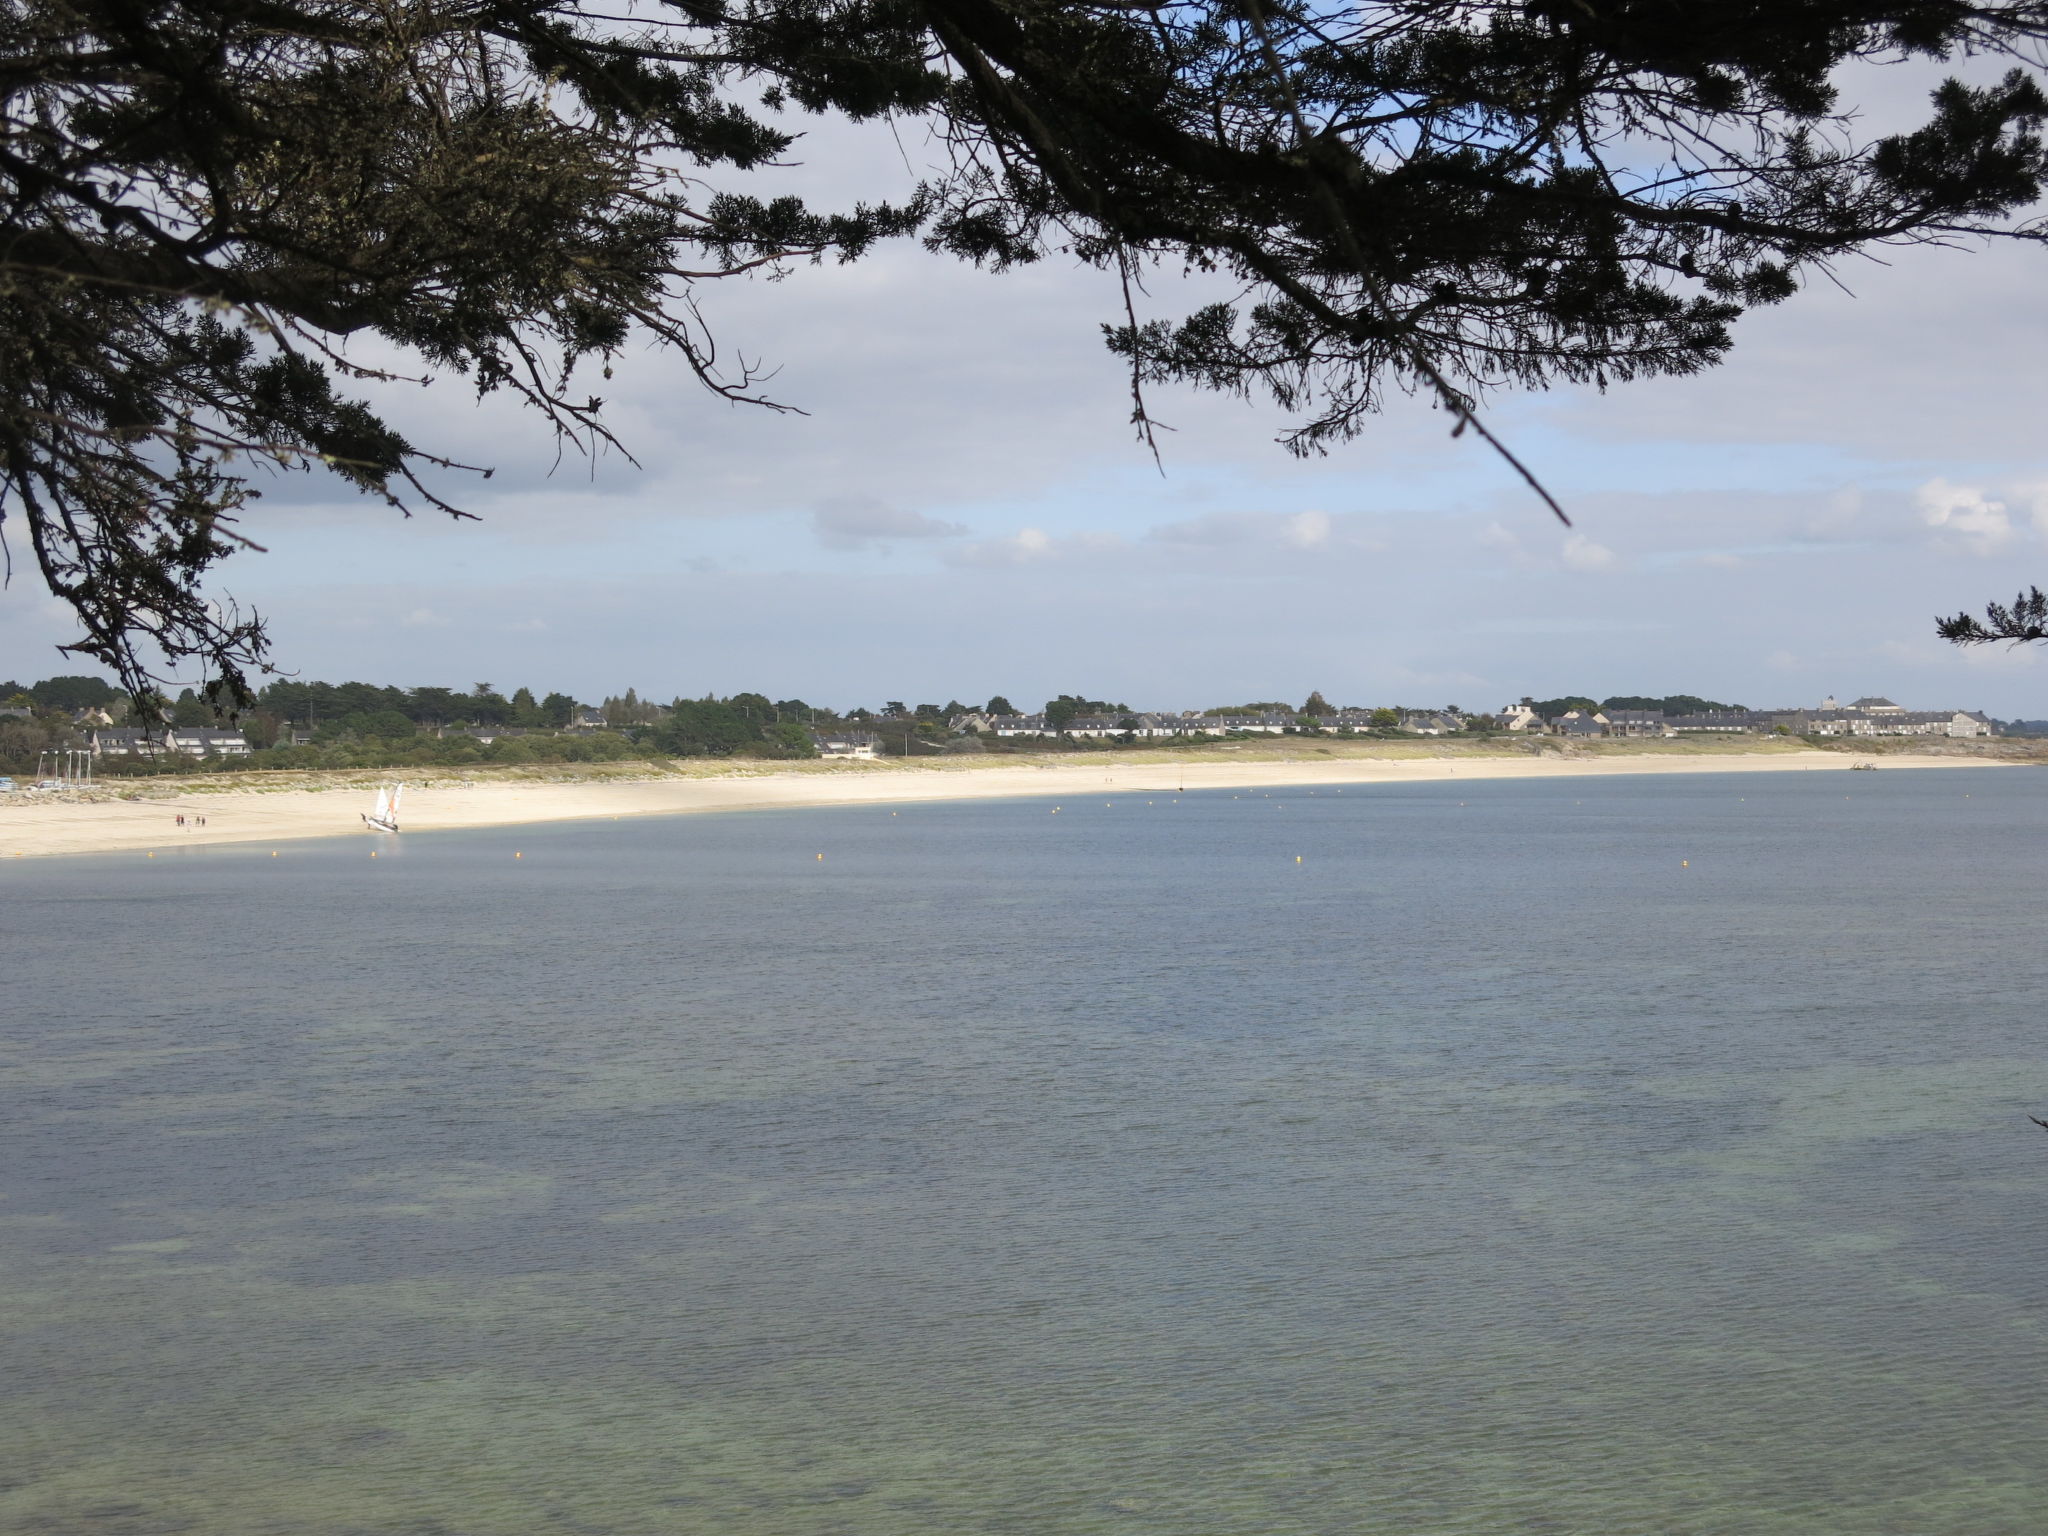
x=584, y=718
x=1636, y=722
x=1935, y=722
x=1582, y=724
x=126, y=744
x=203, y=741
x=16, y=712
x=1719, y=722
x=1428, y=722
x=1518, y=717
x=1018, y=725
x=90, y=716
x=1253, y=725
x=846, y=744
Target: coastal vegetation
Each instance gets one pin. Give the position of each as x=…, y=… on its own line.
x=298, y=726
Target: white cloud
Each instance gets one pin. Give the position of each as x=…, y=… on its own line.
x=1582, y=554
x=1029, y=546
x=425, y=618
x=1966, y=511
x=1306, y=530
x=844, y=522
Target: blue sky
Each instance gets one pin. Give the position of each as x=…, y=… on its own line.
x=963, y=511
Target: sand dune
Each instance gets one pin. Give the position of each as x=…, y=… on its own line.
x=36, y=827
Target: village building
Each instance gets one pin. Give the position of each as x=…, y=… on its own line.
x=183, y=740
x=846, y=744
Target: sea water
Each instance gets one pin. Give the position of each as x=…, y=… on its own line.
x=1632, y=1155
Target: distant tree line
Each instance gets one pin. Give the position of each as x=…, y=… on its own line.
x=1670, y=704
x=311, y=725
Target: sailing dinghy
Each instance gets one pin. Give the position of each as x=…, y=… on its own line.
x=385, y=817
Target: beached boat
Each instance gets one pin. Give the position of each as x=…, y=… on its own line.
x=384, y=818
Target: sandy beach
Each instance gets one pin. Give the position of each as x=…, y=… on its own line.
x=33, y=826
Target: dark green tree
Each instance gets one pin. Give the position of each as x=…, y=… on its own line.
x=1316, y=704
x=67, y=693
x=998, y=705
x=705, y=728
x=2026, y=620
x=1060, y=712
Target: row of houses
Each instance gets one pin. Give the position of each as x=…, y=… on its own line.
x=175, y=740
x=1865, y=717
x=198, y=741
x=1150, y=726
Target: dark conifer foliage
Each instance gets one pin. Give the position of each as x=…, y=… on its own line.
x=214, y=213
x=2025, y=620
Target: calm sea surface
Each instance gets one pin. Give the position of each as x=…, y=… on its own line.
x=1488, y=1171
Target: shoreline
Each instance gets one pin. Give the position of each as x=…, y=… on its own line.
x=59, y=828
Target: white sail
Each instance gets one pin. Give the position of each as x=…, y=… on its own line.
x=397, y=794
x=383, y=811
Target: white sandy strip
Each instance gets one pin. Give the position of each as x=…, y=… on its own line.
x=34, y=830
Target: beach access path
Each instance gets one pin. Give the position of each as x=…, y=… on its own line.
x=38, y=826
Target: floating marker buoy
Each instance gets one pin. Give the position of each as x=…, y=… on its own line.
x=1685, y=863
x=152, y=855
x=373, y=853
x=1297, y=858
x=273, y=853
x=821, y=858
x=518, y=855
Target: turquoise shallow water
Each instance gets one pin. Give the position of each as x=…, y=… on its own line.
x=1006, y=1172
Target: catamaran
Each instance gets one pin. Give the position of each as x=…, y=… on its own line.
x=385, y=817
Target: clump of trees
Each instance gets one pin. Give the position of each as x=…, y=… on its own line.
x=1670, y=704
x=744, y=725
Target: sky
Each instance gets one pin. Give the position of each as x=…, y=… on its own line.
x=964, y=511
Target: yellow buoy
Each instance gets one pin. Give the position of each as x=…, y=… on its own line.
x=821, y=858
x=518, y=855
x=1297, y=858
x=152, y=855
x=273, y=853
x=1685, y=863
